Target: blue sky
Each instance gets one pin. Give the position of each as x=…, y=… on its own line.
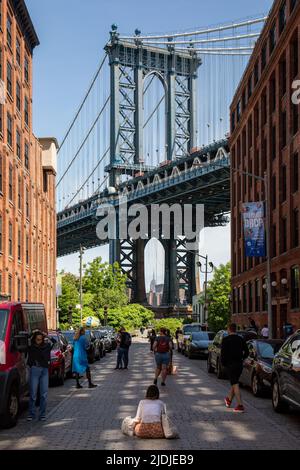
x=72, y=35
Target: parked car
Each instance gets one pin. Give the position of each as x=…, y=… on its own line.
x=107, y=341
x=112, y=335
x=17, y=321
x=214, y=351
x=70, y=337
x=197, y=344
x=286, y=375
x=93, y=350
x=185, y=334
x=257, y=371
x=101, y=342
x=61, y=358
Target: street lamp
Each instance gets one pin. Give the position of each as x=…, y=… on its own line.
x=80, y=280
x=206, y=272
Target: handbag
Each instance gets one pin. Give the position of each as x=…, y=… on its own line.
x=169, y=428
x=128, y=425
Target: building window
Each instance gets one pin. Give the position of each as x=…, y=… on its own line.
x=249, y=87
x=295, y=112
x=26, y=110
x=295, y=183
x=19, y=245
x=1, y=228
x=295, y=228
x=263, y=57
x=232, y=121
x=282, y=17
x=283, y=238
x=18, y=140
x=256, y=73
x=245, y=298
x=274, y=192
x=27, y=293
x=9, y=79
x=19, y=290
x=256, y=122
x=9, y=31
x=10, y=183
x=26, y=155
x=10, y=286
x=9, y=130
x=294, y=57
x=26, y=69
x=250, y=134
x=272, y=38
x=273, y=142
x=257, y=295
x=283, y=129
x=18, y=96
x=19, y=192
x=283, y=183
x=238, y=111
x=282, y=71
x=292, y=4
x=264, y=109
x=27, y=202
x=274, y=241
x=265, y=294
x=250, y=297
x=10, y=239
x=295, y=287
x=18, y=51
x=1, y=170
x=272, y=94
x=27, y=250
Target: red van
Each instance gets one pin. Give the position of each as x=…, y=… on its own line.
x=17, y=321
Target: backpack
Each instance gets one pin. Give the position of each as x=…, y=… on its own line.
x=127, y=339
x=163, y=344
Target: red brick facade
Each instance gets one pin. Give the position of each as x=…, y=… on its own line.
x=27, y=187
x=265, y=137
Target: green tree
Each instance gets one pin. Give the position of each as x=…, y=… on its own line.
x=169, y=323
x=218, y=294
x=132, y=317
x=69, y=298
x=107, y=285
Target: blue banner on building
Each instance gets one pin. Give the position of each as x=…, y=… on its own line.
x=254, y=229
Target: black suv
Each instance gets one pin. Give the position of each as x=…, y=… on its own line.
x=214, y=351
x=286, y=375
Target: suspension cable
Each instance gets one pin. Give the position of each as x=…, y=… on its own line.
x=205, y=41
x=196, y=33
x=83, y=102
x=83, y=143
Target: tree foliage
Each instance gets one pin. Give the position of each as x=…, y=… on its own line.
x=69, y=299
x=218, y=295
x=169, y=323
x=131, y=317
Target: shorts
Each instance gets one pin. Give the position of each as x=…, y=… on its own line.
x=162, y=359
x=234, y=373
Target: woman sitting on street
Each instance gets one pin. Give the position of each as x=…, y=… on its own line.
x=149, y=416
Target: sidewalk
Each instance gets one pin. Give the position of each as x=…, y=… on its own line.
x=91, y=419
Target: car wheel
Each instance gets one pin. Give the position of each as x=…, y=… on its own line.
x=10, y=417
x=278, y=404
x=61, y=376
x=256, y=386
x=210, y=368
x=220, y=373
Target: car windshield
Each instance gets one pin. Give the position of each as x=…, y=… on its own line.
x=56, y=345
x=268, y=350
x=191, y=328
x=3, y=323
x=203, y=336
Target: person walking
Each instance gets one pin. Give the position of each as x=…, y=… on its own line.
x=170, y=365
x=177, y=333
x=162, y=348
x=124, y=343
x=265, y=332
x=149, y=416
x=233, y=352
x=152, y=337
x=39, y=359
x=80, y=359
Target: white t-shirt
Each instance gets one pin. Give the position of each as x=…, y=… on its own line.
x=150, y=411
x=265, y=332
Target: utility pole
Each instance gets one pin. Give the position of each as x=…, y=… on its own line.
x=80, y=281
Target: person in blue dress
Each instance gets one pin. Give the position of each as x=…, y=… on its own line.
x=80, y=359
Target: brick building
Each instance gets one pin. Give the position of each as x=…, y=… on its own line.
x=265, y=138
x=27, y=172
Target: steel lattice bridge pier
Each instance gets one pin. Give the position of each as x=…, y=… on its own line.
x=203, y=178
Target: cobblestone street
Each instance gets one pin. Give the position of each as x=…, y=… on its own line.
x=91, y=419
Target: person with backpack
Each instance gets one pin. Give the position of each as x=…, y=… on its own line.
x=124, y=343
x=162, y=348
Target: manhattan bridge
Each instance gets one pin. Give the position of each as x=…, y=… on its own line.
x=153, y=126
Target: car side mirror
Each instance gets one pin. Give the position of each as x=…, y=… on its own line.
x=21, y=342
